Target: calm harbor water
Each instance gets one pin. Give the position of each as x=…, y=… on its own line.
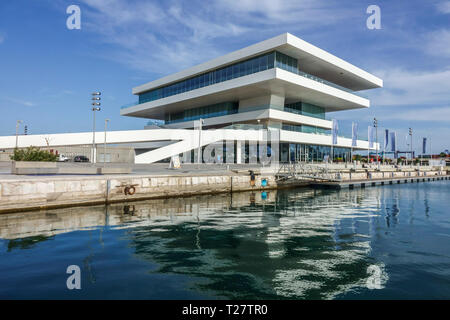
x=390, y=242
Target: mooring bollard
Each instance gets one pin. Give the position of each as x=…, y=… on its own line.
x=263, y=182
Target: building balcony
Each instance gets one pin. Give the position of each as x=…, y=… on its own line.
x=295, y=71
x=293, y=86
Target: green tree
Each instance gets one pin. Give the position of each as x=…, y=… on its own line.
x=33, y=154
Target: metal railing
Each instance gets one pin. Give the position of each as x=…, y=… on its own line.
x=129, y=105
x=305, y=171
x=329, y=83
x=298, y=72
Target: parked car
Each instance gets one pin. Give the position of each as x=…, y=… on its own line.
x=81, y=159
x=63, y=158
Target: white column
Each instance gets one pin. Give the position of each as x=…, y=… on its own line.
x=252, y=148
x=238, y=151
x=187, y=157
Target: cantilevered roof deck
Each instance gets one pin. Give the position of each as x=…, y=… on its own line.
x=311, y=59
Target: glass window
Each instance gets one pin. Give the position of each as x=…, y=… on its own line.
x=270, y=60
x=255, y=65
x=284, y=62
x=195, y=83
x=203, y=80
x=235, y=71
x=219, y=75
x=243, y=68
x=229, y=71
x=215, y=110
x=264, y=62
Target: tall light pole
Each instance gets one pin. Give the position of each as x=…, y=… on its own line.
x=104, y=149
x=96, y=107
x=375, y=124
x=17, y=132
x=411, y=135
x=199, y=155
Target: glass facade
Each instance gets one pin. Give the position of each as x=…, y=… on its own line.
x=291, y=127
x=215, y=110
x=288, y=152
x=240, y=69
x=305, y=109
x=294, y=152
x=285, y=62
x=259, y=63
x=305, y=129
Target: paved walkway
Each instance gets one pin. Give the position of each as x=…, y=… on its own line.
x=156, y=169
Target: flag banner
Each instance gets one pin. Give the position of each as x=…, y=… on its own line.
x=424, y=146
x=393, y=141
x=354, y=134
x=335, y=131
x=386, y=139
x=370, y=136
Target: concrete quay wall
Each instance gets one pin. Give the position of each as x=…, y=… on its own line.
x=32, y=193
x=347, y=176
x=51, y=192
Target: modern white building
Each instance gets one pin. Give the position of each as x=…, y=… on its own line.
x=282, y=87
x=282, y=83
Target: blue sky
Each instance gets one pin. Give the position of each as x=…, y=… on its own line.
x=47, y=72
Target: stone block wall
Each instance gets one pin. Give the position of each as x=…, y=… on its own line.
x=44, y=192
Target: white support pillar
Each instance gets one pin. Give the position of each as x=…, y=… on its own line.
x=187, y=157
x=229, y=157
x=238, y=151
x=252, y=155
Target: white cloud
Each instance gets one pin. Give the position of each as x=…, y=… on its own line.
x=438, y=43
x=172, y=35
x=438, y=114
x=444, y=7
x=154, y=38
x=403, y=87
x=21, y=102
x=308, y=13
x=2, y=38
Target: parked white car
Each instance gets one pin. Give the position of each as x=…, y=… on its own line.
x=63, y=158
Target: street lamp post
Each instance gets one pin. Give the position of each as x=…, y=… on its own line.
x=17, y=132
x=375, y=124
x=96, y=107
x=104, y=148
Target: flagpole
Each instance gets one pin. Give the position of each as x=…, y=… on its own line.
x=332, y=155
x=368, y=144
x=431, y=153
x=354, y=139
x=334, y=136
x=351, y=154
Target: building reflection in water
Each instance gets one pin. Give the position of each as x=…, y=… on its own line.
x=302, y=243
